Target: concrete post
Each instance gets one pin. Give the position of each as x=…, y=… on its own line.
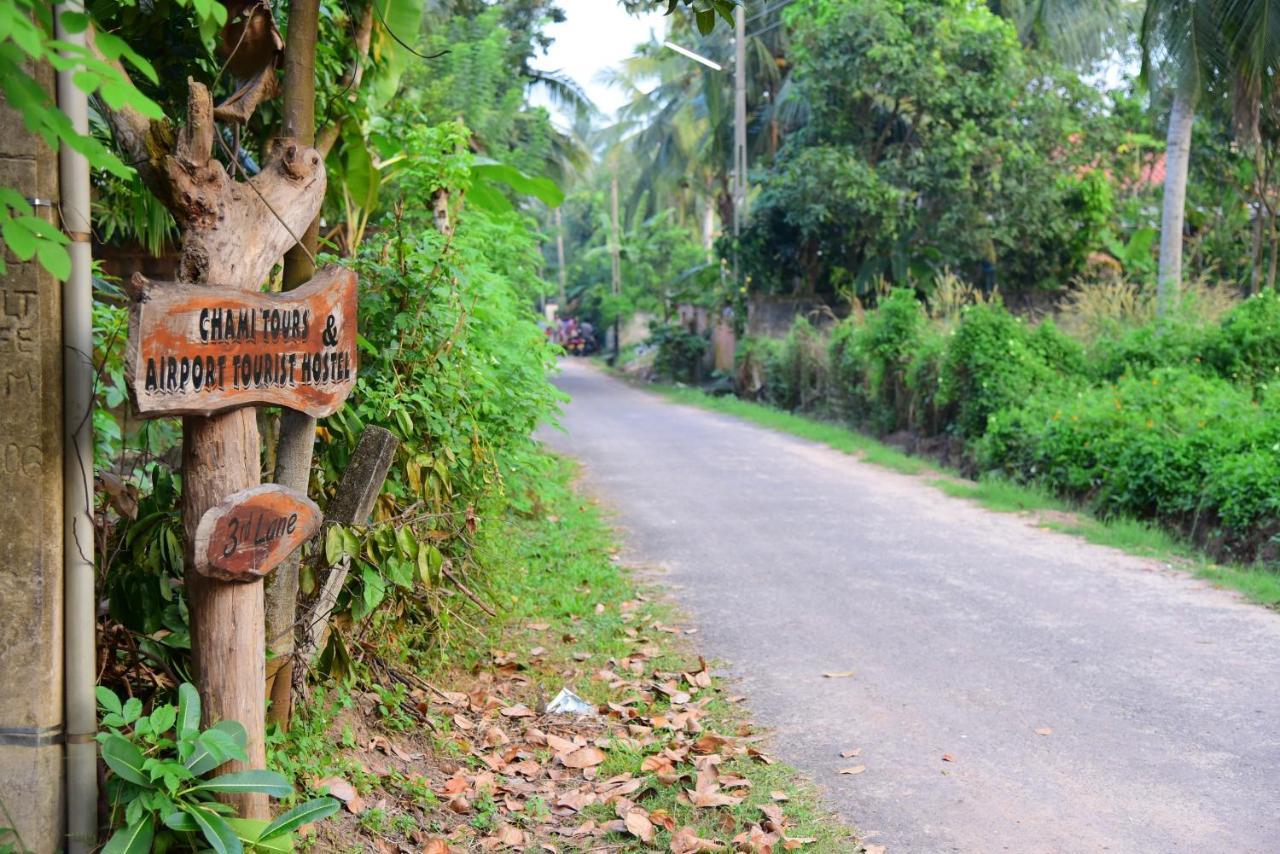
x=31, y=449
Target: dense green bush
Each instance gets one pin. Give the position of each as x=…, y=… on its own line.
x=848, y=357
x=1172, y=343
x=1246, y=347
x=1178, y=423
x=929, y=413
x=794, y=370
x=1173, y=444
x=992, y=363
x=892, y=336
x=680, y=351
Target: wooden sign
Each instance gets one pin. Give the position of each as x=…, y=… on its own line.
x=249, y=533
x=197, y=350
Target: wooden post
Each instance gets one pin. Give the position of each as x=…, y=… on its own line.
x=351, y=505
x=233, y=234
x=297, y=429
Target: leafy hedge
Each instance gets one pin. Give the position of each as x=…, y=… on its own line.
x=1178, y=423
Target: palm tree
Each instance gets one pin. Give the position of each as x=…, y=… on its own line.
x=1193, y=49
x=1181, y=50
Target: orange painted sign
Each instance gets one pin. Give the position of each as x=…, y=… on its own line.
x=197, y=350
x=250, y=532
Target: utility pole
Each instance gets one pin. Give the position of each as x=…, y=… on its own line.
x=615, y=258
x=564, y=299
x=739, y=130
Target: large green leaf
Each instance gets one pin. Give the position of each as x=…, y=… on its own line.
x=361, y=176
x=543, y=189
x=188, y=711
x=222, y=741
x=304, y=813
x=134, y=839
x=397, y=24
x=125, y=759
x=250, y=832
x=256, y=780
x=221, y=838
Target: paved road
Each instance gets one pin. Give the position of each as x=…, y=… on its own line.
x=967, y=632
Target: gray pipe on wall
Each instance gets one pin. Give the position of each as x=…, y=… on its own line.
x=77, y=479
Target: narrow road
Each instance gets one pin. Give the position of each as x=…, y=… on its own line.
x=1089, y=700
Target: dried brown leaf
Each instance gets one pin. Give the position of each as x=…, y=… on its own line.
x=583, y=757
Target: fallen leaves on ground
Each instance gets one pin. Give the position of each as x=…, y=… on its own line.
x=511, y=777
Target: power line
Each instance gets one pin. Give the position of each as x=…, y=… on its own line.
x=769, y=10
x=764, y=30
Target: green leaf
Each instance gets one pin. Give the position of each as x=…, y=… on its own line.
x=406, y=542
x=162, y=719
x=221, y=838
x=132, y=710
x=181, y=822
x=125, y=759
x=18, y=238
x=188, y=711
x=543, y=189
x=375, y=588
x=304, y=813
x=250, y=831
x=108, y=700
x=706, y=20
x=360, y=176
x=224, y=740
x=55, y=259
x=258, y=780
x=333, y=544
x=74, y=22
x=485, y=197
x=134, y=839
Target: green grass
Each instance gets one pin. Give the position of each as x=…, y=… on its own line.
x=1129, y=535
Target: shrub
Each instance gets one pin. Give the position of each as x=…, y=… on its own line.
x=795, y=368
x=1058, y=350
x=679, y=351
x=990, y=365
x=1172, y=444
x=847, y=355
x=893, y=333
x=928, y=414
x=1246, y=346
x=1175, y=342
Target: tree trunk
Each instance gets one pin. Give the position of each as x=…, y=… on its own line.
x=1177, y=157
x=1275, y=245
x=297, y=429
x=1255, y=274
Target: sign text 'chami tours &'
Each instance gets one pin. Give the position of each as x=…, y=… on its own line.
x=199, y=350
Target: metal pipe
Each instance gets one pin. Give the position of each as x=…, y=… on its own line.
x=77, y=480
x=739, y=133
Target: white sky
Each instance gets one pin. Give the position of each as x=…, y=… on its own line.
x=596, y=34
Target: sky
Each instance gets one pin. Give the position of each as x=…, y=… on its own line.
x=596, y=34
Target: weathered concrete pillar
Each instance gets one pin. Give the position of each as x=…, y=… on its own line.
x=31, y=624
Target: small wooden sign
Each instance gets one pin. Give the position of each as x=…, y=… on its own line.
x=196, y=350
x=249, y=533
